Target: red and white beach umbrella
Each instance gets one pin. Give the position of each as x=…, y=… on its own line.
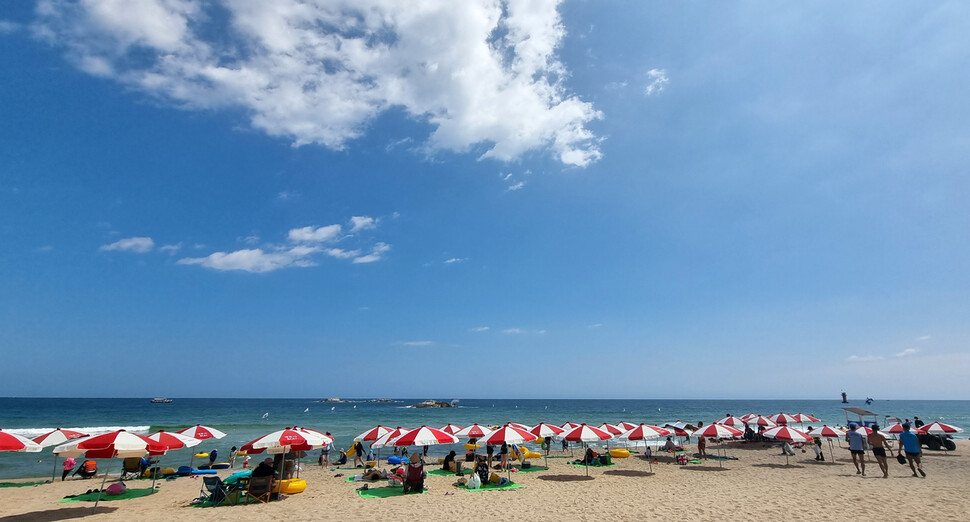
x=520, y=426
x=644, y=432
x=586, y=434
x=758, y=420
x=282, y=441
x=327, y=438
x=827, y=432
x=546, y=430
x=13, y=442
x=388, y=438
x=373, y=434
x=787, y=433
x=718, y=431
x=174, y=441
x=783, y=418
x=451, y=428
x=424, y=436
x=613, y=430
x=938, y=428
x=894, y=428
x=202, y=432
x=625, y=426
x=569, y=425
x=473, y=432
x=730, y=420
x=749, y=416
x=803, y=418
x=57, y=437
x=509, y=434
x=865, y=431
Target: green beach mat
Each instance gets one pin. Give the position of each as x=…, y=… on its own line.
x=127, y=495
x=241, y=499
x=532, y=469
x=384, y=492
x=493, y=487
x=441, y=473
x=591, y=465
x=22, y=484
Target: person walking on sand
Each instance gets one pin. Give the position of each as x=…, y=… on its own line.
x=358, y=454
x=857, y=448
x=879, y=446
x=909, y=444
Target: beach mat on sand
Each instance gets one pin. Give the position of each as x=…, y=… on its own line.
x=591, y=465
x=492, y=487
x=532, y=469
x=442, y=473
x=384, y=492
x=91, y=497
x=22, y=484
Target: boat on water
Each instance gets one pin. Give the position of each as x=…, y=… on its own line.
x=161, y=400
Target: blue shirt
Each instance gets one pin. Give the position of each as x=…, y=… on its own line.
x=910, y=442
x=855, y=441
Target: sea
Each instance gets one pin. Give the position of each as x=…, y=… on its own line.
x=246, y=419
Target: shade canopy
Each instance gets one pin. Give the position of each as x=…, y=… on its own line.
x=202, y=432
x=58, y=436
x=584, y=433
x=787, y=433
x=13, y=442
x=287, y=439
x=509, y=434
x=473, y=432
x=938, y=428
x=644, y=432
x=116, y=444
x=546, y=430
x=373, y=434
x=717, y=431
x=424, y=436
x=827, y=432
x=174, y=441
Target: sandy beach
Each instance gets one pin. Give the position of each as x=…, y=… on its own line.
x=758, y=485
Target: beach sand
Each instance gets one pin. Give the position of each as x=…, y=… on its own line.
x=756, y=486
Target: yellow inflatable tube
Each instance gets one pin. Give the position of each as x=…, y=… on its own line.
x=201, y=455
x=619, y=453
x=290, y=486
x=472, y=446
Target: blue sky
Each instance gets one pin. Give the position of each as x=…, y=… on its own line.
x=654, y=199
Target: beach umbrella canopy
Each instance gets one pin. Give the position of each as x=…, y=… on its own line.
x=569, y=425
x=285, y=440
x=424, y=436
x=13, y=442
x=57, y=437
x=202, y=432
x=938, y=428
x=803, y=418
x=749, y=416
x=717, y=431
x=373, y=434
x=174, y=441
x=451, y=428
x=643, y=432
x=116, y=444
x=327, y=438
x=758, y=420
x=584, y=433
x=546, y=430
x=783, y=418
x=388, y=438
x=509, y=434
x=522, y=427
x=827, y=432
x=787, y=433
x=895, y=428
x=730, y=420
x=473, y=432
x=625, y=426
x=865, y=431
x=613, y=430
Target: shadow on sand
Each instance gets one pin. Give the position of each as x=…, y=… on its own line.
x=565, y=478
x=50, y=515
x=628, y=473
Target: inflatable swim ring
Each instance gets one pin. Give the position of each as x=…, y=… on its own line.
x=396, y=460
x=290, y=486
x=619, y=453
x=200, y=455
x=472, y=446
x=203, y=472
x=533, y=455
x=167, y=471
x=184, y=470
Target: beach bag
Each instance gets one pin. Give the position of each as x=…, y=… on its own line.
x=900, y=458
x=115, y=489
x=494, y=478
x=473, y=481
x=681, y=459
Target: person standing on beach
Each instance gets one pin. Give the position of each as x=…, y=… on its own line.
x=916, y=422
x=212, y=457
x=909, y=443
x=857, y=448
x=358, y=454
x=879, y=446
x=232, y=456
x=69, y=464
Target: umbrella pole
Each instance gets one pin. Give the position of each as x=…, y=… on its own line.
x=103, y=480
x=54, y=472
x=832, y=450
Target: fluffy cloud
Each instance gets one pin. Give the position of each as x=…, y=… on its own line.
x=358, y=223
x=139, y=245
x=418, y=343
x=455, y=260
x=908, y=352
x=480, y=329
x=303, y=244
x=656, y=81
x=480, y=72
x=864, y=358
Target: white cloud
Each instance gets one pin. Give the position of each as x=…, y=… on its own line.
x=139, y=245
x=455, y=260
x=908, y=352
x=314, y=234
x=923, y=338
x=597, y=325
x=254, y=260
x=479, y=72
x=418, y=343
x=286, y=195
x=864, y=358
x=480, y=329
x=249, y=240
x=8, y=27
x=657, y=81
x=340, y=253
x=377, y=253
x=515, y=186
x=513, y=331
x=171, y=249
x=358, y=223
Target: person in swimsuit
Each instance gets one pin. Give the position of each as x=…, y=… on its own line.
x=857, y=448
x=879, y=446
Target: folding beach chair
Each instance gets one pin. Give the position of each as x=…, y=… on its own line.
x=131, y=468
x=214, y=490
x=414, y=478
x=260, y=489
